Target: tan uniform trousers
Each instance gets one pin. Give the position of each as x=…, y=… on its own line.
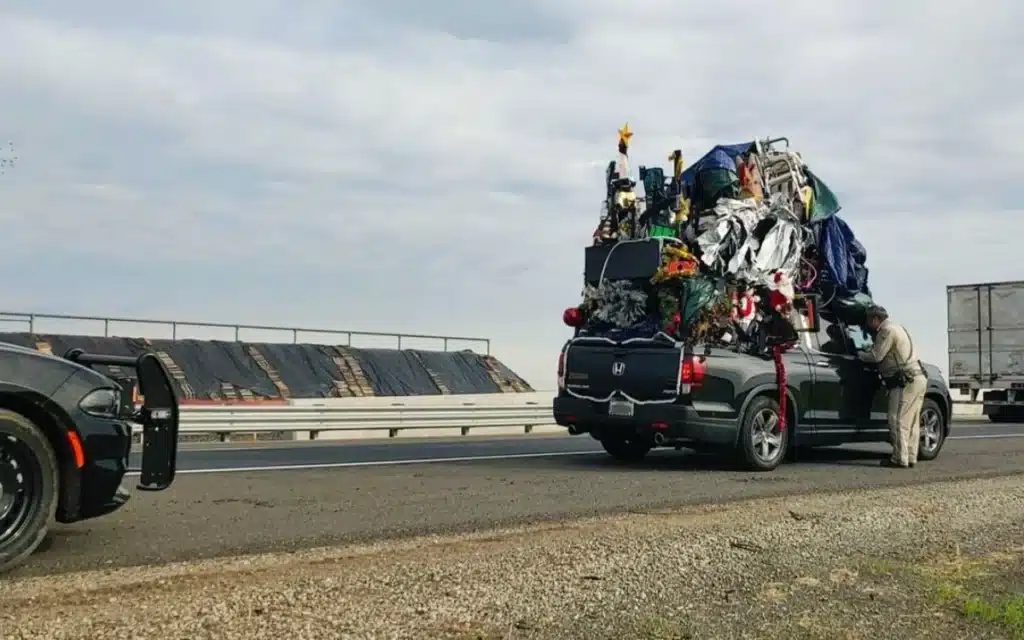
x=905, y=420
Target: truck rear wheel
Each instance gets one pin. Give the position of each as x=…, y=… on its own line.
x=28, y=488
x=933, y=431
x=624, y=449
x=762, y=445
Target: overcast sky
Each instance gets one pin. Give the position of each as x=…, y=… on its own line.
x=438, y=166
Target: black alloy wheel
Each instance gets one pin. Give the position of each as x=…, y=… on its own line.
x=28, y=488
x=19, y=485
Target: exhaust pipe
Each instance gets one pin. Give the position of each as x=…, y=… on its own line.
x=659, y=439
x=574, y=430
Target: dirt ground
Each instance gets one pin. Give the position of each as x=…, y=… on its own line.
x=938, y=561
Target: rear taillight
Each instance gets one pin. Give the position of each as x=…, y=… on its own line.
x=561, y=369
x=691, y=373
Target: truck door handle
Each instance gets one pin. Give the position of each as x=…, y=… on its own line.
x=823, y=363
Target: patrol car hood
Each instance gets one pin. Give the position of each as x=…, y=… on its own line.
x=46, y=372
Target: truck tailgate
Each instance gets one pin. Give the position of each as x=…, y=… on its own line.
x=644, y=370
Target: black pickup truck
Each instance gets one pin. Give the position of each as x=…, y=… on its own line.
x=639, y=394
x=65, y=436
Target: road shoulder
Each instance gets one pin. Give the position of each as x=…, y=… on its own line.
x=938, y=561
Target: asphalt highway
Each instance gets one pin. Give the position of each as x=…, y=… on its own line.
x=207, y=457
x=237, y=499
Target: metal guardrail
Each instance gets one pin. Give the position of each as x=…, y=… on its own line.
x=393, y=415
x=31, y=320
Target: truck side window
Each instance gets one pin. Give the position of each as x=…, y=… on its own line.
x=859, y=338
x=833, y=340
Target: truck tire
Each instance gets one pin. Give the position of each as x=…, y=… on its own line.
x=1013, y=415
x=28, y=495
x=933, y=431
x=625, y=450
x=1007, y=414
x=761, y=446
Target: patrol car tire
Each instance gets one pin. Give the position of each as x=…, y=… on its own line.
x=23, y=442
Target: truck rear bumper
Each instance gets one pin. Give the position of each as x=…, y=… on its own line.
x=675, y=422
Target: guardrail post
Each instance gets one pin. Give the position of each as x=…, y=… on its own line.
x=528, y=428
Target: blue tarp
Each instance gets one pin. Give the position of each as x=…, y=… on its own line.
x=723, y=156
x=843, y=257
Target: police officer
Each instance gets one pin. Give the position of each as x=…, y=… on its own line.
x=903, y=375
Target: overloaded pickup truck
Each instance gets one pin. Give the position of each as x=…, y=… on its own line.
x=65, y=436
x=639, y=394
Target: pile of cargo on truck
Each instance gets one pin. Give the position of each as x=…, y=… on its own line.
x=722, y=303
x=721, y=253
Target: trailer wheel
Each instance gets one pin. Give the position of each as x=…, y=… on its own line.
x=28, y=488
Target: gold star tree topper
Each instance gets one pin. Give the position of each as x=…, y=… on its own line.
x=624, y=135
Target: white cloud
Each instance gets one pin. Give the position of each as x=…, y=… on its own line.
x=384, y=166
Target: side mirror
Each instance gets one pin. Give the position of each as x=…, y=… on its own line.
x=806, y=310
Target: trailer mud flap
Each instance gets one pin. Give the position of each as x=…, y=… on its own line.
x=159, y=419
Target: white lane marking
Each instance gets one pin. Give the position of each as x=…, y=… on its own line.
x=411, y=442
x=380, y=463
x=391, y=463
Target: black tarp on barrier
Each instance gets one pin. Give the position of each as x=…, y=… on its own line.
x=508, y=374
x=20, y=339
x=394, y=373
x=61, y=344
x=458, y=371
x=208, y=364
x=307, y=370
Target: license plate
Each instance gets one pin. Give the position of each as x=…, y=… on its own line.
x=623, y=408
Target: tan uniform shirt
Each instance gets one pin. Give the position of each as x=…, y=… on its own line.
x=892, y=351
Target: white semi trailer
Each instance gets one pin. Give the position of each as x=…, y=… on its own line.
x=986, y=346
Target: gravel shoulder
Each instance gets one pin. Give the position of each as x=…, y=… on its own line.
x=937, y=561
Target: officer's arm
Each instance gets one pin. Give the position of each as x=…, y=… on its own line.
x=883, y=344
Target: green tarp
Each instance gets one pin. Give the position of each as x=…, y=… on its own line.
x=825, y=202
